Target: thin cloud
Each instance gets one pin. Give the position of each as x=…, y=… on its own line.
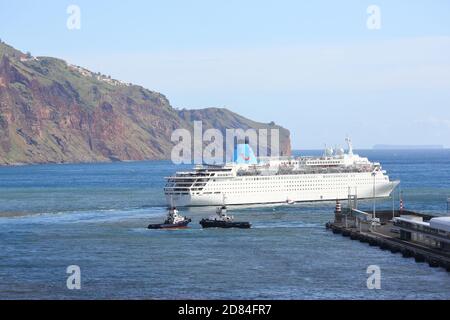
x=395, y=64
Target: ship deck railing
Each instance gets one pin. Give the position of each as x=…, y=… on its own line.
x=195, y=177
x=285, y=172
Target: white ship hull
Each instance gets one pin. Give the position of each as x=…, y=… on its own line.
x=297, y=188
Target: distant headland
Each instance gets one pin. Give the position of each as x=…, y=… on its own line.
x=407, y=147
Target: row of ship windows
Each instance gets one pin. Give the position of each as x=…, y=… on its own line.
x=343, y=189
x=271, y=178
x=292, y=188
x=246, y=182
x=280, y=190
x=296, y=181
x=322, y=162
x=264, y=187
x=250, y=185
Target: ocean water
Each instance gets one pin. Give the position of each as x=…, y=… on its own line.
x=95, y=216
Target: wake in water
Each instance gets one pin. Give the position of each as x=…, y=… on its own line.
x=80, y=216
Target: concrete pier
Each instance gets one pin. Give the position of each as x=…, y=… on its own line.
x=400, y=231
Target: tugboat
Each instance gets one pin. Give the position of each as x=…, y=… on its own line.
x=222, y=220
x=173, y=221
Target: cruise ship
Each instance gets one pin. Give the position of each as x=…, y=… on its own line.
x=248, y=180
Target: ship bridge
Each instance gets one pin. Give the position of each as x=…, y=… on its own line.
x=195, y=181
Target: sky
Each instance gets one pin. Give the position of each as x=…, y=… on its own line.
x=315, y=67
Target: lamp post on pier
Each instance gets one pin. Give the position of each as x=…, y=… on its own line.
x=393, y=204
x=374, y=174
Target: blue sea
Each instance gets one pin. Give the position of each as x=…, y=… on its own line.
x=95, y=216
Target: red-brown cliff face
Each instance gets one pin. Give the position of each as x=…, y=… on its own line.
x=54, y=112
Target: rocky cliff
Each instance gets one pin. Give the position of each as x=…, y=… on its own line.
x=51, y=111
